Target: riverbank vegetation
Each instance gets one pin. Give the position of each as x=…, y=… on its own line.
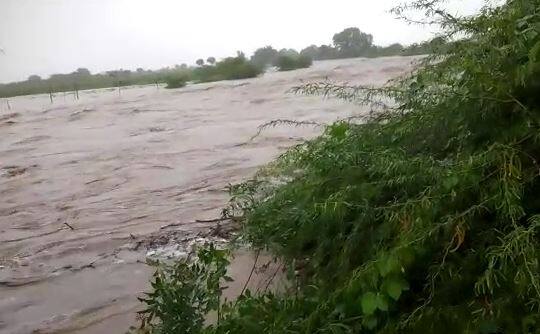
x=230, y=68
x=176, y=80
x=422, y=218
x=288, y=62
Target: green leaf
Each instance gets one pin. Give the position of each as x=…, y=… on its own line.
x=370, y=322
x=534, y=53
x=387, y=265
x=382, y=304
x=369, y=303
x=450, y=182
x=394, y=287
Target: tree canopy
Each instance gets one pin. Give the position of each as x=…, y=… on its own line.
x=264, y=56
x=352, y=42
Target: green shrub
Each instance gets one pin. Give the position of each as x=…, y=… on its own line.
x=177, y=80
x=426, y=217
x=264, y=57
x=293, y=62
x=183, y=293
x=230, y=68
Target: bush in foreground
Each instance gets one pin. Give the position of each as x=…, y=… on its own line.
x=424, y=219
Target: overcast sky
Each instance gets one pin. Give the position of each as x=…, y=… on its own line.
x=57, y=36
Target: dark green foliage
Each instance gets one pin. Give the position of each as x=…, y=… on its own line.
x=83, y=79
x=230, y=68
x=435, y=45
x=351, y=42
x=263, y=57
x=34, y=78
x=81, y=71
x=423, y=219
x=287, y=62
x=177, y=80
x=311, y=51
x=391, y=50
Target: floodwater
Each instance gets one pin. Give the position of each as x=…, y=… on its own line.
x=85, y=182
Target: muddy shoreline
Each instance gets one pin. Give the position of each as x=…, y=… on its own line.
x=83, y=182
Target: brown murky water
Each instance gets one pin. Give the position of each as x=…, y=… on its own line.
x=82, y=182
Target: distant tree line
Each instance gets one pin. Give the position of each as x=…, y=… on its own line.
x=350, y=42
x=82, y=79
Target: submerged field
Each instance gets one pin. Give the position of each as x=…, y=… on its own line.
x=85, y=183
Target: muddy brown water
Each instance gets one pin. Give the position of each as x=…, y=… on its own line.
x=83, y=181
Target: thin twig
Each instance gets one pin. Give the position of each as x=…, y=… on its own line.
x=272, y=278
x=277, y=122
x=251, y=273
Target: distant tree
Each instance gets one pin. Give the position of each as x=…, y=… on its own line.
x=264, y=56
x=288, y=52
x=327, y=52
x=391, y=50
x=311, y=51
x=140, y=70
x=200, y=62
x=285, y=54
x=288, y=61
x=183, y=66
x=82, y=71
x=57, y=76
x=395, y=47
x=229, y=68
x=34, y=77
x=437, y=42
x=240, y=55
x=351, y=42
x=211, y=60
x=425, y=47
